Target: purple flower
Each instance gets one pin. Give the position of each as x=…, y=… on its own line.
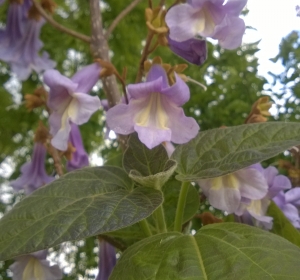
x=79, y=158
x=208, y=18
x=192, y=50
x=107, y=260
x=154, y=111
x=258, y=208
x=20, y=44
x=69, y=101
x=13, y=32
x=34, y=174
x=35, y=267
x=298, y=11
x=227, y=192
x=289, y=203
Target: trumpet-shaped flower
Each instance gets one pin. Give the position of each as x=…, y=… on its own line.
x=107, y=260
x=35, y=267
x=20, y=44
x=154, y=111
x=289, y=204
x=34, y=174
x=69, y=101
x=227, y=192
x=208, y=18
x=79, y=158
x=192, y=50
x=13, y=31
x=258, y=208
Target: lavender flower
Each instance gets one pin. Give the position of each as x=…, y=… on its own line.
x=192, y=50
x=298, y=11
x=258, y=208
x=227, y=192
x=20, y=44
x=14, y=30
x=208, y=18
x=34, y=174
x=107, y=260
x=35, y=267
x=154, y=111
x=289, y=204
x=69, y=101
x=79, y=158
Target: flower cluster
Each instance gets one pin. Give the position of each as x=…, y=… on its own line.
x=19, y=41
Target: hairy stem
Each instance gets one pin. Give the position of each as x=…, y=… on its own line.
x=145, y=227
x=181, y=205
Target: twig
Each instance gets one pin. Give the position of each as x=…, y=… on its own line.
x=58, y=26
x=120, y=16
x=144, y=57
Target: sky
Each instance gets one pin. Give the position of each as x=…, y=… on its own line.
x=273, y=20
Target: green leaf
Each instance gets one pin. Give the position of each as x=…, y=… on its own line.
x=129, y=235
x=157, y=180
x=145, y=161
x=82, y=203
x=218, y=251
x=221, y=151
x=282, y=226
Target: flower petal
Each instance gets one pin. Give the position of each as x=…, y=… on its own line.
x=293, y=196
x=230, y=32
x=120, y=118
x=85, y=106
x=87, y=77
x=186, y=27
x=234, y=7
x=252, y=183
x=152, y=136
x=60, y=89
x=178, y=93
x=142, y=90
x=158, y=72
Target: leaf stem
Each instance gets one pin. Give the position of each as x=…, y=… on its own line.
x=145, y=227
x=160, y=219
x=181, y=205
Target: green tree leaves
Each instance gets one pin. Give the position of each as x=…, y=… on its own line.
x=219, y=251
x=82, y=203
x=221, y=151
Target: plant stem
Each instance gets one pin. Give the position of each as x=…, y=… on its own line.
x=181, y=205
x=160, y=219
x=144, y=56
x=145, y=227
x=58, y=26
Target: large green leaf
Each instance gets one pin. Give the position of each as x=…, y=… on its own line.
x=147, y=162
x=216, y=252
x=129, y=235
x=82, y=203
x=221, y=151
x=282, y=226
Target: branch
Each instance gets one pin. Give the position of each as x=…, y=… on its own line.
x=116, y=21
x=59, y=26
x=100, y=49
